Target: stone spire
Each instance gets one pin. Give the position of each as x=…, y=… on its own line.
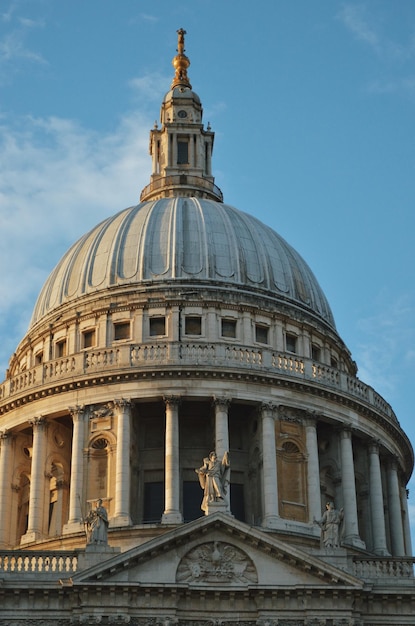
x=181, y=149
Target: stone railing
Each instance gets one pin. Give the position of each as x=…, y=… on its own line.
x=381, y=568
x=38, y=563
x=175, y=355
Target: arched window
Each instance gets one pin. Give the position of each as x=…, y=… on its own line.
x=291, y=465
x=99, y=470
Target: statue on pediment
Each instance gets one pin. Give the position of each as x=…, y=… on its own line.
x=214, y=479
x=96, y=523
x=330, y=526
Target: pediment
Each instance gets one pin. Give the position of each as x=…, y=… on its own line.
x=216, y=551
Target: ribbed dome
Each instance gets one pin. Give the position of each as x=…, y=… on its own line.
x=183, y=239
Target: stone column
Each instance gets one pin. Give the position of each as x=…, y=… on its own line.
x=351, y=527
x=122, y=465
x=35, y=527
x=376, y=502
x=406, y=525
x=208, y=149
x=6, y=469
x=172, y=514
x=221, y=426
x=222, y=435
x=395, y=511
x=76, y=496
x=313, y=470
x=269, y=468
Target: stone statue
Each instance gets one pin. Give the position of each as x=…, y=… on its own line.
x=97, y=525
x=214, y=479
x=330, y=524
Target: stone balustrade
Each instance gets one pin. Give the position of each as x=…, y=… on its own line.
x=170, y=354
x=36, y=563
x=60, y=563
x=381, y=568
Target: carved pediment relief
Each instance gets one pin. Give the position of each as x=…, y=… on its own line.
x=216, y=550
x=216, y=562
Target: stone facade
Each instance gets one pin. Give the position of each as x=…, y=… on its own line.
x=172, y=329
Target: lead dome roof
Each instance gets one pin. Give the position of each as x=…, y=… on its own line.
x=173, y=240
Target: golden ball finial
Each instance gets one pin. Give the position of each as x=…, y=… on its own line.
x=181, y=63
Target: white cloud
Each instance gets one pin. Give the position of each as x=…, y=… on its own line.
x=387, y=341
x=57, y=180
x=356, y=21
x=148, y=88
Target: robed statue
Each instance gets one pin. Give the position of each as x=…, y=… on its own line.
x=214, y=479
x=330, y=526
x=96, y=523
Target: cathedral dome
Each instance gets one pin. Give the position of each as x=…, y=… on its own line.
x=184, y=240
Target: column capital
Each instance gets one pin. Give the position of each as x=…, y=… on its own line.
x=345, y=431
x=38, y=423
x=393, y=462
x=310, y=418
x=77, y=412
x=172, y=400
x=223, y=401
x=123, y=403
x=265, y=408
x=5, y=436
x=374, y=446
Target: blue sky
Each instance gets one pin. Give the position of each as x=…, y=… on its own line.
x=313, y=106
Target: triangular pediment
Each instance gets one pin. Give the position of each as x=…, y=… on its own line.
x=216, y=550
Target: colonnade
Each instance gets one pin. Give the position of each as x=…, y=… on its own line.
x=396, y=500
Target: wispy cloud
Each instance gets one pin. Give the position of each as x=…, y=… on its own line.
x=388, y=343
x=149, y=87
x=57, y=180
x=372, y=29
x=13, y=42
x=356, y=21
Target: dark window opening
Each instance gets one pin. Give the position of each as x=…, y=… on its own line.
x=182, y=152
x=229, y=328
x=192, y=499
x=333, y=362
x=60, y=349
x=39, y=358
x=193, y=325
x=261, y=333
x=238, y=501
x=291, y=343
x=122, y=330
x=315, y=353
x=157, y=326
x=88, y=338
x=153, y=502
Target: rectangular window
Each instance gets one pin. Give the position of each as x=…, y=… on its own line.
x=333, y=362
x=192, y=499
x=88, y=339
x=315, y=353
x=153, y=502
x=261, y=333
x=193, y=325
x=229, y=328
x=122, y=330
x=182, y=152
x=237, y=501
x=157, y=326
x=291, y=343
x=60, y=349
x=39, y=358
